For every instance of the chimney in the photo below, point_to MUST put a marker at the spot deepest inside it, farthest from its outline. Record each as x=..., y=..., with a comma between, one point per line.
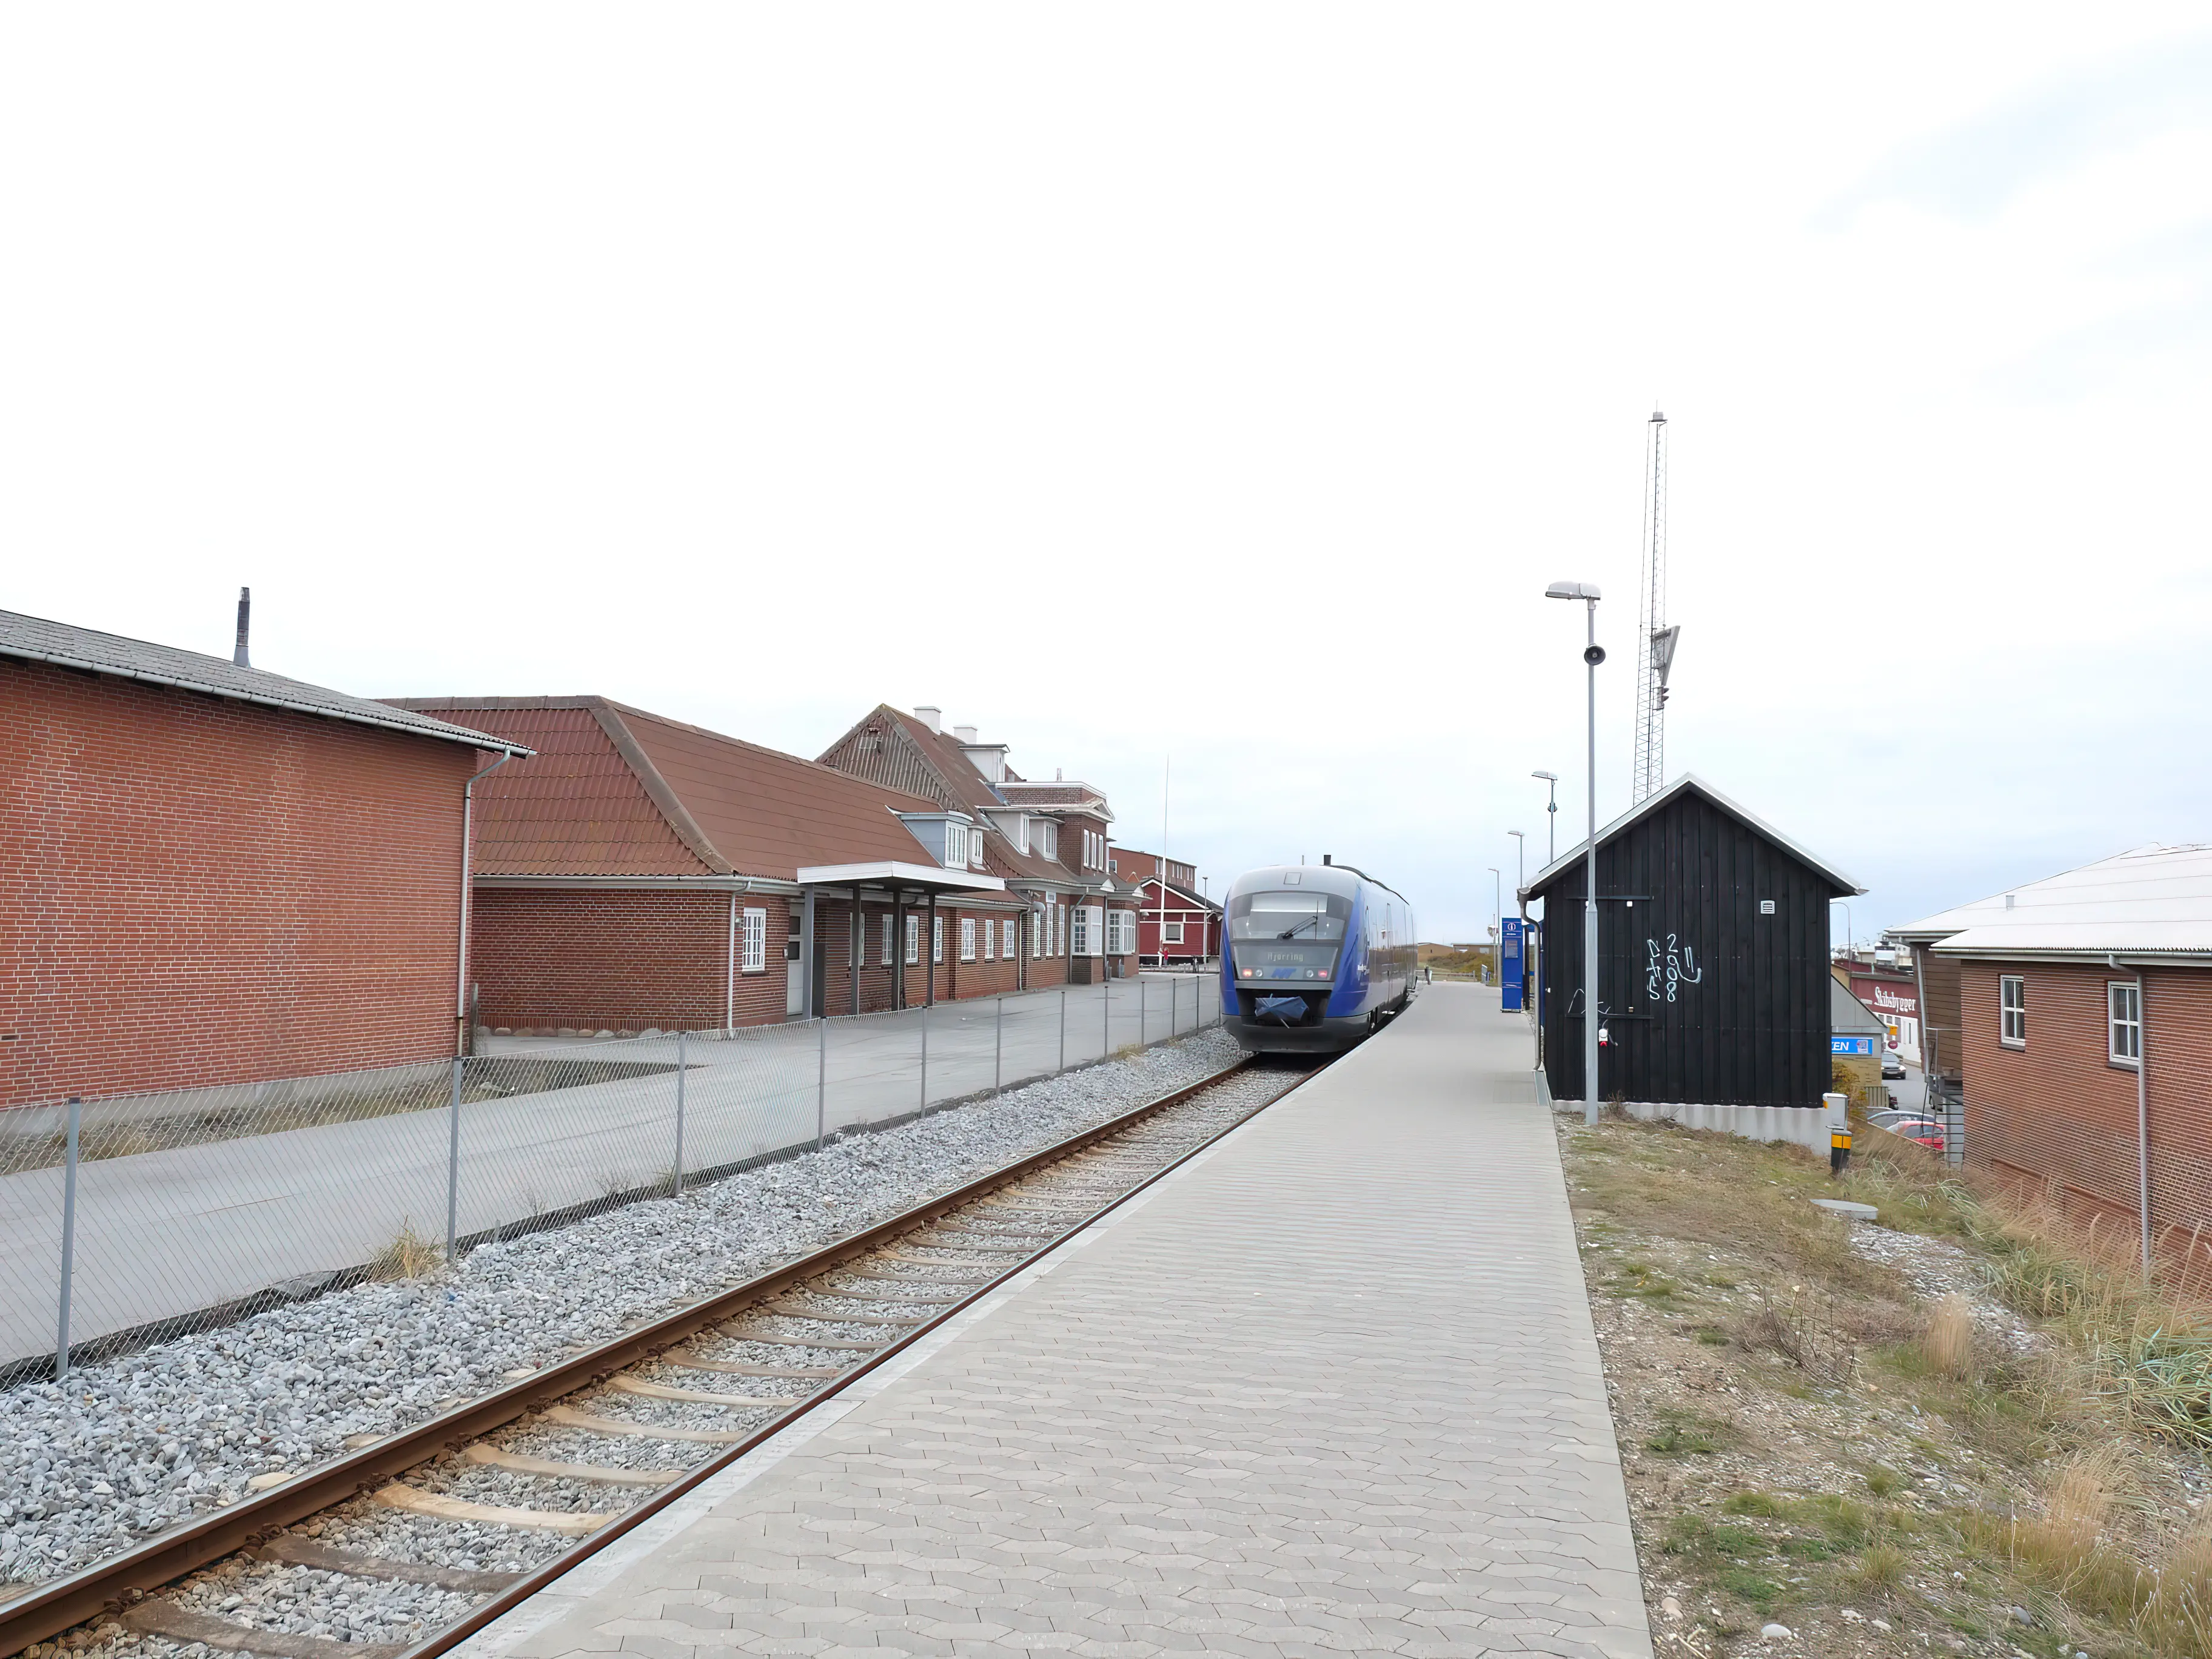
x=964, y=733
x=245, y=618
x=930, y=715
x=1327, y=858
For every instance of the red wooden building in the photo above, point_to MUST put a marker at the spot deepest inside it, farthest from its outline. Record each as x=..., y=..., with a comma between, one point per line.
x=1176, y=922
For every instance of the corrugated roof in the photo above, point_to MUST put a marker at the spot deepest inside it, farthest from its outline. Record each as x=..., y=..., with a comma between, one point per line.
x=617, y=790
x=1651, y=804
x=34, y=639
x=2150, y=901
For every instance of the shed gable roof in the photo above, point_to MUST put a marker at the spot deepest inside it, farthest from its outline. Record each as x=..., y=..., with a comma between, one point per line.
x=1691, y=783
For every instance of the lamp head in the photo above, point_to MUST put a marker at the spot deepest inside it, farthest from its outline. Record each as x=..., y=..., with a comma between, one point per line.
x=1571, y=591
x=1548, y=777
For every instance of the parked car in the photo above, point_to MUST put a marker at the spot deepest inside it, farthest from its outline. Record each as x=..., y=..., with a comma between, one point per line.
x=1892, y=1065
x=1883, y=1119
x=1925, y=1131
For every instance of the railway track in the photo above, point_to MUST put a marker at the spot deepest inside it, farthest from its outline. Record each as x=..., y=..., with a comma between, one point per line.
x=428, y=1534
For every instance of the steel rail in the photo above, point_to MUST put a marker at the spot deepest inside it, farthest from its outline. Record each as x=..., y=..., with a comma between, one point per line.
x=109, y=1586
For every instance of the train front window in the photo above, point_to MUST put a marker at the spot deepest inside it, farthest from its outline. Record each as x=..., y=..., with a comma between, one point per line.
x=1293, y=936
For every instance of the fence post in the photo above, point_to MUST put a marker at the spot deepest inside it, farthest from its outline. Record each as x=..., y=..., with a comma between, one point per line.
x=676, y=1176
x=821, y=1081
x=453, y=1164
x=1144, y=1006
x=69, y=1241
x=925, y=1056
x=998, y=1048
x=1105, y=1016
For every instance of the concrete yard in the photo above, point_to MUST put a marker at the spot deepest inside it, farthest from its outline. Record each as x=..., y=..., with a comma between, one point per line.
x=1330, y=1388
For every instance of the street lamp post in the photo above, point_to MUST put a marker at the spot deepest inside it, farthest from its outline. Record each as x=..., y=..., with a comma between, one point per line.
x=1497, y=920
x=1551, y=778
x=1521, y=858
x=1593, y=655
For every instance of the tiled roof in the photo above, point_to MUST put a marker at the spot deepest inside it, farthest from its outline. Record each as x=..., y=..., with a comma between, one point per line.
x=34, y=639
x=616, y=791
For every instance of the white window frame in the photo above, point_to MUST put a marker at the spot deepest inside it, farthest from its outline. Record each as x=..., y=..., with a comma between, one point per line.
x=754, y=933
x=1078, y=931
x=956, y=845
x=2124, y=1029
x=967, y=939
x=937, y=941
x=913, y=939
x=1170, y=932
x=890, y=929
x=1036, y=931
x=989, y=940
x=1010, y=945
x=975, y=846
x=2012, y=1011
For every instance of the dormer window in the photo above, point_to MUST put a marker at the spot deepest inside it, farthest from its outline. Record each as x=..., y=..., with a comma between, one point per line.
x=975, y=848
x=956, y=845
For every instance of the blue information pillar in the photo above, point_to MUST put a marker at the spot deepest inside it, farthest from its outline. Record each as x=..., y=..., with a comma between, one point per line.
x=1509, y=964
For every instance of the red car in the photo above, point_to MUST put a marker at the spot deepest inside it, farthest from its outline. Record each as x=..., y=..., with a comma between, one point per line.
x=1922, y=1131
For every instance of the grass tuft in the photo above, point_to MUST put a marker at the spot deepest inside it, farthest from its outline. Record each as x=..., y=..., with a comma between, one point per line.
x=408, y=1256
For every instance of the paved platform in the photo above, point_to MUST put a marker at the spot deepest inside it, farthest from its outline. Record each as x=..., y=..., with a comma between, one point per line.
x=1331, y=1387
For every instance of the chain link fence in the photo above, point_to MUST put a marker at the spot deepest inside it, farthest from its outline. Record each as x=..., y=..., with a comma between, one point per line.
x=137, y=1219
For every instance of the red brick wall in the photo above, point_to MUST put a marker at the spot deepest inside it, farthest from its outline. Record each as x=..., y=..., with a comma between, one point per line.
x=594, y=959
x=2059, y=1113
x=197, y=892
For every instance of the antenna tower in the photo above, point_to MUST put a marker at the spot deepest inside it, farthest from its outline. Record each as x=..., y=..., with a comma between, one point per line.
x=1655, y=640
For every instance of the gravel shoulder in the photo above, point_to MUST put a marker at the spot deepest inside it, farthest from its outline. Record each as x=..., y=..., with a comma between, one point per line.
x=128, y=1447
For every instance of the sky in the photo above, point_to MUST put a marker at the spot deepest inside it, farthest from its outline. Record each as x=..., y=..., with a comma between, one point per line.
x=1196, y=397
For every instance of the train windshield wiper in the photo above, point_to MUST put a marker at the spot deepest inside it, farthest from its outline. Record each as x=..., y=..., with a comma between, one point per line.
x=1294, y=932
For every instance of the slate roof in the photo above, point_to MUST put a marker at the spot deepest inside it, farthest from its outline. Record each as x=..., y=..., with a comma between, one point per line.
x=2149, y=901
x=617, y=790
x=34, y=639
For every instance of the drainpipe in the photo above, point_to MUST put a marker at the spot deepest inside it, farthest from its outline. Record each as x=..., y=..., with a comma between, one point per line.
x=2142, y=1105
x=464, y=1039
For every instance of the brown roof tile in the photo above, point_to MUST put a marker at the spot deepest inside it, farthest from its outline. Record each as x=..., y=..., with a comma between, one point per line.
x=616, y=791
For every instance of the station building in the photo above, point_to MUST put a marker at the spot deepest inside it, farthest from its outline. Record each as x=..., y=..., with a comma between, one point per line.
x=1713, y=985
x=1048, y=842
x=2075, y=1015
x=213, y=875
x=639, y=873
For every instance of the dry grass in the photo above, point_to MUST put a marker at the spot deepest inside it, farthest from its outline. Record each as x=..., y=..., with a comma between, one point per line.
x=408, y=1256
x=1947, y=1345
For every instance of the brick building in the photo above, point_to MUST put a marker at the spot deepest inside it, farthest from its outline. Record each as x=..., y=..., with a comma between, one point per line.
x=1176, y=923
x=1048, y=842
x=213, y=875
x=639, y=873
x=2075, y=1014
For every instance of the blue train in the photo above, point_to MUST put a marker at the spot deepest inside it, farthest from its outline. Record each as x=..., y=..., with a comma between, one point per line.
x=1317, y=956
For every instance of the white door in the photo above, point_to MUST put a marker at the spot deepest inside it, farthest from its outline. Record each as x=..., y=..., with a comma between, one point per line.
x=794, y=997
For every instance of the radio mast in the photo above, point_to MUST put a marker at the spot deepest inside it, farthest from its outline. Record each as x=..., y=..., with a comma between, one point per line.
x=1655, y=642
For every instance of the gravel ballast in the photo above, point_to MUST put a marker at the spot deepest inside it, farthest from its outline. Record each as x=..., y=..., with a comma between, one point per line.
x=128, y=1447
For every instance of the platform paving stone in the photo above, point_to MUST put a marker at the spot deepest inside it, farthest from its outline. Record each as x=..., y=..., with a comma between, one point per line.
x=1331, y=1389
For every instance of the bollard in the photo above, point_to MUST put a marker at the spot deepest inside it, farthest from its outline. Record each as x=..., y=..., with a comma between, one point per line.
x=1839, y=1134
x=676, y=1175
x=821, y=1081
x=1105, y=1015
x=998, y=1046
x=69, y=1241
x=925, y=1056
x=1063, y=1029
x=1144, y=1001
x=453, y=1164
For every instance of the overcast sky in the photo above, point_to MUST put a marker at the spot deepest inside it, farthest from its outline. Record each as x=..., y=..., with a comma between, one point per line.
x=1220, y=382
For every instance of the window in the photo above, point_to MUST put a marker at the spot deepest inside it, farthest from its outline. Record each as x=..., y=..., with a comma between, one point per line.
x=2012, y=1011
x=937, y=938
x=2125, y=998
x=1080, y=931
x=755, y=934
x=975, y=848
x=1007, y=939
x=1036, y=931
x=1046, y=838
x=967, y=939
x=955, y=844
x=914, y=938
x=888, y=926
x=990, y=939
x=1171, y=932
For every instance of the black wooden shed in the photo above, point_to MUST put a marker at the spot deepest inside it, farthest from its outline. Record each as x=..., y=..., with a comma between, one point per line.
x=1712, y=957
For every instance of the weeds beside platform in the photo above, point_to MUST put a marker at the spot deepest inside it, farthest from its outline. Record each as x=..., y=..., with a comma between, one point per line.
x=1972, y=1428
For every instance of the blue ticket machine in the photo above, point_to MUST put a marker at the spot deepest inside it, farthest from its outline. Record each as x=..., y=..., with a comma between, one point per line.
x=1510, y=977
